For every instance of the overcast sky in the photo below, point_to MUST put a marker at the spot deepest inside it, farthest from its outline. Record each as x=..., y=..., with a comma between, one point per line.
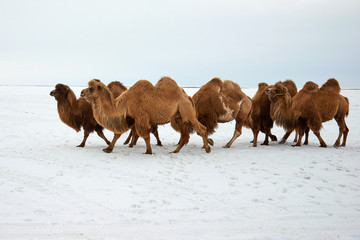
x=44, y=42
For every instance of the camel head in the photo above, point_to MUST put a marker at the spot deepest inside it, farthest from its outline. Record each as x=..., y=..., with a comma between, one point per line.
x=276, y=91
x=60, y=92
x=94, y=91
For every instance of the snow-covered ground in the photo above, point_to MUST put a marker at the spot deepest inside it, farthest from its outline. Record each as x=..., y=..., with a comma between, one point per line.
x=50, y=189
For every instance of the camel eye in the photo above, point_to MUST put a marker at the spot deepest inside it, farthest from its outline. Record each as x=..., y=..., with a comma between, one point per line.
x=91, y=89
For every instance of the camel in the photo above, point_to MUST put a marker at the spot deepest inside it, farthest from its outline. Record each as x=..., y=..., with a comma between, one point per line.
x=261, y=119
x=117, y=88
x=76, y=113
x=310, y=108
x=145, y=105
x=220, y=102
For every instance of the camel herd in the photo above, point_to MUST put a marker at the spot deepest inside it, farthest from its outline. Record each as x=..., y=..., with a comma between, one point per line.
x=144, y=106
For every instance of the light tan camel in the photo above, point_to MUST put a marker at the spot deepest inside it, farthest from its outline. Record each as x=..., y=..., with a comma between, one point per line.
x=144, y=105
x=117, y=88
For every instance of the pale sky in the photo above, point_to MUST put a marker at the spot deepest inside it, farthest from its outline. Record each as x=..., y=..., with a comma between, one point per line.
x=44, y=42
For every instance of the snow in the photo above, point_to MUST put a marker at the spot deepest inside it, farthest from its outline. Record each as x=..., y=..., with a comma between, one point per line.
x=50, y=189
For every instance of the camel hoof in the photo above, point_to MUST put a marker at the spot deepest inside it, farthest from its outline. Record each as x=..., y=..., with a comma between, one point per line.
x=107, y=150
x=210, y=141
x=324, y=146
x=81, y=145
x=208, y=149
x=227, y=146
x=296, y=145
x=273, y=138
x=159, y=144
x=266, y=144
x=282, y=142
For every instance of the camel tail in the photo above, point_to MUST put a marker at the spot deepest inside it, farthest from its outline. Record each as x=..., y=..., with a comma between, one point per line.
x=347, y=111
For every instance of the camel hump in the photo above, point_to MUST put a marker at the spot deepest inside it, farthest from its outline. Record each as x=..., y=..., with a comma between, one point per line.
x=216, y=81
x=116, y=84
x=310, y=87
x=116, y=88
x=261, y=86
x=331, y=85
x=166, y=82
x=291, y=86
x=232, y=90
x=142, y=84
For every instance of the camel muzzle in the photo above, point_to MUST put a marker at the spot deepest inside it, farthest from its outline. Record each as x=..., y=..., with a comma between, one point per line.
x=83, y=94
x=52, y=93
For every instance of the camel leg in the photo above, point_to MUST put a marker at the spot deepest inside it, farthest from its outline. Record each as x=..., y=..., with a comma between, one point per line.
x=86, y=135
x=101, y=134
x=148, y=146
x=346, y=131
x=301, y=134
x=134, y=139
x=237, y=133
x=184, y=137
x=154, y=131
x=187, y=113
x=286, y=135
x=296, y=136
x=307, y=130
x=322, y=143
x=301, y=129
x=128, y=138
x=272, y=137
x=343, y=130
x=266, y=141
x=255, y=133
x=110, y=148
x=201, y=130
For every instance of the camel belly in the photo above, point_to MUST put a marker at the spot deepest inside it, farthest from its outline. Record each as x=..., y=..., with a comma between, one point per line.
x=230, y=112
x=228, y=116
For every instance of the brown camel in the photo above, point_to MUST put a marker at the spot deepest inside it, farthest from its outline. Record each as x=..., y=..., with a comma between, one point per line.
x=222, y=101
x=117, y=88
x=261, y=119
x=76, y=113
x=310, y=108
x=144, y=105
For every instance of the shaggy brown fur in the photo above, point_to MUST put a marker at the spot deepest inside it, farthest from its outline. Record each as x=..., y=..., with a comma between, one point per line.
x=222, y=101
x=261, y=119
x=117, y=88
x=310, y=108
x=76, y=113
x=144, y=105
